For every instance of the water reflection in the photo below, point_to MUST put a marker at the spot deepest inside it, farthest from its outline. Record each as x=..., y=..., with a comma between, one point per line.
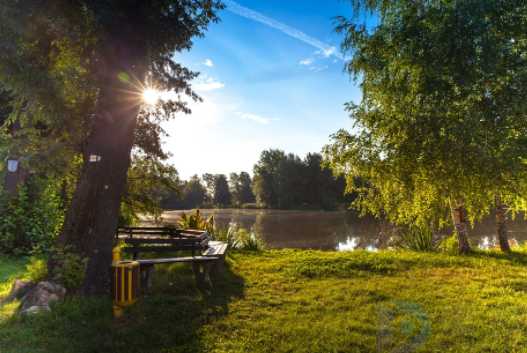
x=341, y=231
x=492, y=242
x=350, y=244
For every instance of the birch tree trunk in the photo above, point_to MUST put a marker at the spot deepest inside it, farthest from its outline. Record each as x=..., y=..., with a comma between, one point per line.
x=458, y=217
x=500, y=220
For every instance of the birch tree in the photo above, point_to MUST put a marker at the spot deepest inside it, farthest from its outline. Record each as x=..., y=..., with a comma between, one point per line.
x=441, y=124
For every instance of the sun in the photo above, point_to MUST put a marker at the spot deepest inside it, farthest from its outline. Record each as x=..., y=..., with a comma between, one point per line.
x=150, y=96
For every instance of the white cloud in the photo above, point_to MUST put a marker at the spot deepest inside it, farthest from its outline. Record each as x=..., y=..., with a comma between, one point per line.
x=208, y=63
x=256, y=118
x=327, y=50
x=330, y=51
x=306, y=62
x=318, y=68
x=204, y=84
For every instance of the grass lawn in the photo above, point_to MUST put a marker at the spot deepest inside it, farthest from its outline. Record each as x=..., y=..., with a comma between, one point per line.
x=295, y=301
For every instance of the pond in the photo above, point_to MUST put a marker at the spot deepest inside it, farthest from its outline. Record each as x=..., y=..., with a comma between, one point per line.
x=339, y=230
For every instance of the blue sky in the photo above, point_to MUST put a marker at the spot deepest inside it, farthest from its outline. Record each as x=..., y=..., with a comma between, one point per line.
x=271, y=77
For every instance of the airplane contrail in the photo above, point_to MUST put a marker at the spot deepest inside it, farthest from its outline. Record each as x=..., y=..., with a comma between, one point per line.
x=326, y=49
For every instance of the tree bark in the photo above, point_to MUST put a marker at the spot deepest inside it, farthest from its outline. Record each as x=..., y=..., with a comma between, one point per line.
x=502, y=231
x=458, y=217
x=13, y=179
x=92, y=215
x=21, y=175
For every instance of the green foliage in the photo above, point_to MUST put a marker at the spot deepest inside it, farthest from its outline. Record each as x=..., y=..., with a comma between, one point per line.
x=249, y=240
x=241, y=189
x=416, y=239
x=239, y=238
x=194, y=193
x=222, y=195
x=228, y=236
x=284, y=181
x=70, y=267
x=55, y=86
x=37, y=267
x=196, y=221
x=63, y=62
x=33, y=219
x=450, y=245
x=443, y=107
x=145, y=175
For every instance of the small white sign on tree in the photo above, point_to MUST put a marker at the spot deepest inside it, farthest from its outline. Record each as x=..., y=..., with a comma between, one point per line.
x=12, y=165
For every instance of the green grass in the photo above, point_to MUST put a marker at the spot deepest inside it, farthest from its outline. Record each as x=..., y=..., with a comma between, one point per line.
x=294, y=301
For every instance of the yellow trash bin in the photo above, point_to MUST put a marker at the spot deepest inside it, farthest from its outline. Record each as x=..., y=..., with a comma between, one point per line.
x=124, y=282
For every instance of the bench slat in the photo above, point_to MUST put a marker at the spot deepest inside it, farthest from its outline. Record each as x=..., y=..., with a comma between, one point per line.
x=131, y=231
x=174, y=260
x=120, y=228
x=155, y=240
x=162, y=248
x=216, y=250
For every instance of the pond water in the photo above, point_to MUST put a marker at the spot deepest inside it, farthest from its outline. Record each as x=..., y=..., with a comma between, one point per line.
x=339, y=230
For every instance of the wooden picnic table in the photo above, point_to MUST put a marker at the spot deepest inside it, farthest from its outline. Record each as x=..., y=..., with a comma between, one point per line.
x=164, y=239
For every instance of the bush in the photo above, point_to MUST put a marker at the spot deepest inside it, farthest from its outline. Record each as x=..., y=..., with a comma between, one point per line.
x=33, y=219
x=416, y=239
x=239, y=238
x=195, y=221
x=70, y=267
x=37, y=267
x=450, y=244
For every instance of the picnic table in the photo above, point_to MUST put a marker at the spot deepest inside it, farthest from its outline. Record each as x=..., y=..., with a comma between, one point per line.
x=204, y=251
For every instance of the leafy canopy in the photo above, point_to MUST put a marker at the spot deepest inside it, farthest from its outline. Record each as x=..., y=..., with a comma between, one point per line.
x=443, y=106
x=54, y=62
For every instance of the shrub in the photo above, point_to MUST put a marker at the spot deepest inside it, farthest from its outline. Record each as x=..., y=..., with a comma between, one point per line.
x=69, y=269
x=239, y=238
x=195, y=221
x=228, y=236
x=37, y=267
x=416, y=239
x=450, y=244
x=32, y=219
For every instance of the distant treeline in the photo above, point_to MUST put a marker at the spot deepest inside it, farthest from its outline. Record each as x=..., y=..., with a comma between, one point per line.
x=281, y=181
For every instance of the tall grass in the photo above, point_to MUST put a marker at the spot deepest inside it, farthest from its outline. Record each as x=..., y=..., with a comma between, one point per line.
x=416, y=239
x=239, y=238
x=196, y=221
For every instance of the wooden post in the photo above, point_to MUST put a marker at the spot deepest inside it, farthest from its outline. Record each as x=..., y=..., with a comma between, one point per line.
x=202, y=276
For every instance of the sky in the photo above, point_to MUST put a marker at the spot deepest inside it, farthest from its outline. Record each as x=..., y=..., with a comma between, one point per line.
x=271, y=76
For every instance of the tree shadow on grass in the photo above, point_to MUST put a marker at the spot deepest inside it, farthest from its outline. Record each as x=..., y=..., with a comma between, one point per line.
x=171, y=319
x=515, y=257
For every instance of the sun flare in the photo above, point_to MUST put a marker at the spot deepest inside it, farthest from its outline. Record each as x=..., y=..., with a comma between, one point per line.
x=150, y=96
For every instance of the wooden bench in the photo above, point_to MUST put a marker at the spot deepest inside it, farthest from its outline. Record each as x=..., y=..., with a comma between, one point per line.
x=161, y=239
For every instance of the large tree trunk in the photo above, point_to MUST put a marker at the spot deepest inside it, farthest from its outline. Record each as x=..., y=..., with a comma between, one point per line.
x=92, y=216
x=21, y=175
x=458, y=217
x=93, y=212
x=502, y=231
